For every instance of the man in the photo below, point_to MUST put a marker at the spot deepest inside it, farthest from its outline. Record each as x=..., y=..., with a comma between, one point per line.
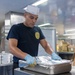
x=24, y=38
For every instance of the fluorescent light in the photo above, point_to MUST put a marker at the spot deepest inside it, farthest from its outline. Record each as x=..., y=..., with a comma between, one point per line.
x=69, y=34
x=45, y=24
x=72, y=37
x=70, y=30
x=68, y=37
x=39, y=2
x=56, y=32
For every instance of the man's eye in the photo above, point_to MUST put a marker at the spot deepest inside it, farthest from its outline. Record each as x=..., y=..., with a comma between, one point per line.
x=36, y=18
x=31, y=17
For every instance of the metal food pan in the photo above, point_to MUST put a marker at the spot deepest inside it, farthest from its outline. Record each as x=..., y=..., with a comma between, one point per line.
x=52, y=69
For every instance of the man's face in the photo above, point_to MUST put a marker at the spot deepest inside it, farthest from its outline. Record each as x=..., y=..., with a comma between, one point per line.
x=30, y=19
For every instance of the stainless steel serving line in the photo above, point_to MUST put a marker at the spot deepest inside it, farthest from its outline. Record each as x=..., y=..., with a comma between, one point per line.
x=18, y=71
x=6, y=69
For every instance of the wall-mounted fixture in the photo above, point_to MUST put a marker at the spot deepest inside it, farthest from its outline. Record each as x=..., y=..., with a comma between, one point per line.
x=37, y=3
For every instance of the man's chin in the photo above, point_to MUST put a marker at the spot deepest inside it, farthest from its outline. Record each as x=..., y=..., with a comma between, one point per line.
x=32, y=26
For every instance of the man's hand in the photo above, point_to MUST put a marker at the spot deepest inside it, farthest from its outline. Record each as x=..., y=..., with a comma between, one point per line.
x=54, y=56
x=30, y=60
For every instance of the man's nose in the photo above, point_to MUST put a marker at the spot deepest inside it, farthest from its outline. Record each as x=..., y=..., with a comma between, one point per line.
x=34, y=20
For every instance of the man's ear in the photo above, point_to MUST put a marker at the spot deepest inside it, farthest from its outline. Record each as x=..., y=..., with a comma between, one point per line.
x=24, y=14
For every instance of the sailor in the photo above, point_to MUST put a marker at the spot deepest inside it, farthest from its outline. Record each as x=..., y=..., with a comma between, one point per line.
x=24, y=39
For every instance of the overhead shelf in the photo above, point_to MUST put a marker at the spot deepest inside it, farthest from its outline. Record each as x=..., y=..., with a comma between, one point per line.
x=66, y=55
x=65, y=52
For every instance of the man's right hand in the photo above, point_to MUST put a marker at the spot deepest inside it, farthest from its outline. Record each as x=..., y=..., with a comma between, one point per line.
x=30, y=60
x=55, y=56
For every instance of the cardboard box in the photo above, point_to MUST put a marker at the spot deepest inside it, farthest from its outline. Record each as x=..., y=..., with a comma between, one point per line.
x=64, y=48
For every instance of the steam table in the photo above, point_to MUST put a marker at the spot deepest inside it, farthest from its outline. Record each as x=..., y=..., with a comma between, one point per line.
x=17, y=71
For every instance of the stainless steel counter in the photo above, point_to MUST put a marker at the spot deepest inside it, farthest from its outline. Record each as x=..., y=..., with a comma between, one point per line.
x=17, y=71
x=6, y=69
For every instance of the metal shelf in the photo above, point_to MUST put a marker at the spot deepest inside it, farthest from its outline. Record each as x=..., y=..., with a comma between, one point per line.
x=65, y=52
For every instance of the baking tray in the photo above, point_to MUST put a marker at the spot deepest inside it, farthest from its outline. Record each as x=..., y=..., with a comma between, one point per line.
x=55, y=68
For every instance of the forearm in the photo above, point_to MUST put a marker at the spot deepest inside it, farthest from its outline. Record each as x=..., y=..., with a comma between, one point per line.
x=48, y=49
x=17, y=52
x=46, y=46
